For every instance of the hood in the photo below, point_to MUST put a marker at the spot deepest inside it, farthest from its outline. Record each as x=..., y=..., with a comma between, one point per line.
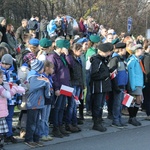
x=32, y=73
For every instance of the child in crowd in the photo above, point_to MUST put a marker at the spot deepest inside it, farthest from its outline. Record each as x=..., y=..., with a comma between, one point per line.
x=44, y=125
x=10, y=75
x=100, y=83
x=62, y=60
x=22, y=74
x=136, y=82
x=4, y=95
x=118, y=66
x=38, y=90
x=77, y=84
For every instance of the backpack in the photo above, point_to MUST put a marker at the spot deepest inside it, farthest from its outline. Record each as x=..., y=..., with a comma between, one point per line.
x=19, y=57
x=33, y=25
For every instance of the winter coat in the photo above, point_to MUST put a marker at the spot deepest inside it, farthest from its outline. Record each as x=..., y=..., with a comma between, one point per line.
x=100, y=76
x=43, y=25
x=39, y=88
x=21, y=31
x=3, y=30
x=82, y=27
x=10, y=75
x=135, y=72
x=51, y=27
x=61, y=75
x=12, y=42
x=70, y=28
x=76, y=73
x=7, y=94
x=118, y=64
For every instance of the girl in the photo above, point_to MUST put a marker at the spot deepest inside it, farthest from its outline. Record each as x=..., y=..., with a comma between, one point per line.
x=136, y=82
x=4, y=94
x=77, y=84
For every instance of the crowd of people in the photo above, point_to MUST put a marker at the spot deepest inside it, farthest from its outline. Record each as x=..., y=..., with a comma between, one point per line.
x=100, y=65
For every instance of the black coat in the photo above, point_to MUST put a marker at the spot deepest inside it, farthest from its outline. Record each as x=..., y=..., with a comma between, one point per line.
x=100, y=76
x=3, y=30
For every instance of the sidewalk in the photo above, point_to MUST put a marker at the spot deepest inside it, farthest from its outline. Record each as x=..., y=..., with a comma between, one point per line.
x=86, y=131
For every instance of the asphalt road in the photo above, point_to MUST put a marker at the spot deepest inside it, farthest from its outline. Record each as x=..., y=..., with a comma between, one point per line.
x=133, y=139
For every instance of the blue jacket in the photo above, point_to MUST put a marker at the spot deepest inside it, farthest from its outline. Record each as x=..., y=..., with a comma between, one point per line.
x=39, y=88
x=10, y=75
x=51, y=27
x=135, y=73
x=118, y=63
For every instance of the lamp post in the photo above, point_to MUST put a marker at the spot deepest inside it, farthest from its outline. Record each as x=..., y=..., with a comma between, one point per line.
x=148, y=2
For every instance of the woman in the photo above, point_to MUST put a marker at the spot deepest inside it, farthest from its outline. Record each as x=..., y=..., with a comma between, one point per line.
x=11, y=40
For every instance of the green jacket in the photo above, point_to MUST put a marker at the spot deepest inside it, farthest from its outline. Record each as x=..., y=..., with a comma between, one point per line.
x=90, y=52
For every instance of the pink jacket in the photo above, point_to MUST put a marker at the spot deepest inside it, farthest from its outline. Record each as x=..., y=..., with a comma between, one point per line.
x=4, y=94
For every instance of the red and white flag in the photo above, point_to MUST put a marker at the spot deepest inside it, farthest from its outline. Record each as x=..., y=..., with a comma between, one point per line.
x=113, y=74
x=77, y=100
x=127, y=99
x=66, y=90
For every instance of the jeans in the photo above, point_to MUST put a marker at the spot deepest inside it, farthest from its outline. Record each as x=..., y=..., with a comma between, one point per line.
x=58, y=111
x=32, y=127
x=71, y=112
x=88, y=92
x=117, y=106
x=44, y=125
x=98, y=100
x=9, y=120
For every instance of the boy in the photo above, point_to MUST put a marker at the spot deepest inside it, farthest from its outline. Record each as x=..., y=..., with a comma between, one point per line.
x=38, y=90
x=100, y=83
x=118, y=66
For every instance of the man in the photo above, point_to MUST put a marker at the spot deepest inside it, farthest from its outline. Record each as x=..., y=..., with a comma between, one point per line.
x=22, y=31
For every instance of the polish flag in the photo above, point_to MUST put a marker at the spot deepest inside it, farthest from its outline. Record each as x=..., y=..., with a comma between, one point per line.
x=77, y=100
x=66, y=90
x=127, y=100
x=113, y=74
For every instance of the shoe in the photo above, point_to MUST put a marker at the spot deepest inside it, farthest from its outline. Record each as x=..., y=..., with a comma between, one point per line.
x=79, y=129
x=31, y=144
x=110, y=117
x=98, y=125
x=63, y=131
x=79, y=121
x=89, y=113
x=44, y=138
x=147, y=118
x=117, y=125
x=134, y=122
x=10, y=139
x=71, y=128
x=39, y=143
x=49, y=138
x=56, y=132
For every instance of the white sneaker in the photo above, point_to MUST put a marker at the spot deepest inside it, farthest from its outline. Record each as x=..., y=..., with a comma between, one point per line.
x=49, y=138
x=44, y=138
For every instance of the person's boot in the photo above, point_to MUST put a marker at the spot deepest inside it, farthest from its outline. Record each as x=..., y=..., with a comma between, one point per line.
x=98, y=125
x=71, y=128
x=81, y=107
x=56, y=132
x=63, y=131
